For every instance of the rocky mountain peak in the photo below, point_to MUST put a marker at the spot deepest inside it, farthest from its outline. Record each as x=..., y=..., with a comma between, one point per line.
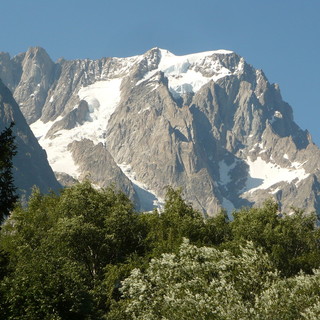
x=209, y=122
x=38, y=72
x=37, y=54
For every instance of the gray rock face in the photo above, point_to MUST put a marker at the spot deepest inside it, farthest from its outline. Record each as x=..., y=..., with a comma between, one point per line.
x=96, y=164
x=208, y=122
x=75, y=117
x=11, y=69
x=30, y=164
x=65, y=179
x=38, y=72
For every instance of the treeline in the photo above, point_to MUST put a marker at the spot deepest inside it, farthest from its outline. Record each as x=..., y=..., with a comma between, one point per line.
x=87, y=254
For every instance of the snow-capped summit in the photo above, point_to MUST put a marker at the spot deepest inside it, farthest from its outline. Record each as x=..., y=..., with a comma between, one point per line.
x=188, y=73
x=208, y=122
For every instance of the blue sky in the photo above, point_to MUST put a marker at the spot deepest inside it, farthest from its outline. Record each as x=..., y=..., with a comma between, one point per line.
x=281, y=37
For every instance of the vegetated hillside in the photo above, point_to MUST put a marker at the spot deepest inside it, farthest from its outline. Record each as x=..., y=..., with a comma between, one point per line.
x=86, y=254
x=208, y=122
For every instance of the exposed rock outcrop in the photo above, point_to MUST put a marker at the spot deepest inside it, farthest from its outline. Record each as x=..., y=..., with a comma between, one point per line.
x=208, y=122
x=31, y=166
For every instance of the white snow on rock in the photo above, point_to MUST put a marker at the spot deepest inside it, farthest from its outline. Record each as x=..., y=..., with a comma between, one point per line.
x=102, y=97
x=278, y=114
x=148, y=198
x=40, y=128
x=59, y=157
x=263, y=175
x=183, y=72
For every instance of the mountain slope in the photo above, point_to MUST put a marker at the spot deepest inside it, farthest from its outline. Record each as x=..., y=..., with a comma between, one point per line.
x=30, y=164
x=208, y=122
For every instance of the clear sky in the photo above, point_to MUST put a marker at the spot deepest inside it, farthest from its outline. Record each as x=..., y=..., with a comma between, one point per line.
x=281, y=37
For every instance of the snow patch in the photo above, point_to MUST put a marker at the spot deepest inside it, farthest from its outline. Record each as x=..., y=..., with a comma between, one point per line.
x=102, y=93
x=275, y=190
x=298, y=165
x=240, y=67
x=143, y=110
x=40, y=129
x=148, y=198
x=263, y=175
x=254, y=147
x=278, y=114
x=102, y=97
x=60, y=159
x=183, y=71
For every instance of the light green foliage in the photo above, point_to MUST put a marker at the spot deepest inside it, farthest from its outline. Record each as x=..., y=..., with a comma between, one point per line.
x=198, y=283
x=205, y=283
x=292, y=298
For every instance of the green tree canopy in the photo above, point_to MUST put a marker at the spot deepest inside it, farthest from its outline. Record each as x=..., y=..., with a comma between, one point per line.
x=86, y=254
x=207, y=283
x=291, y=240
x=59, y=246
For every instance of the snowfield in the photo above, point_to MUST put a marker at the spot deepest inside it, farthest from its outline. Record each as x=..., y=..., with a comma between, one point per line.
x=263, y=175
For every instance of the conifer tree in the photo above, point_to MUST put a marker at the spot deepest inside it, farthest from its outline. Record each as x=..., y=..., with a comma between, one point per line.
x=8, y=196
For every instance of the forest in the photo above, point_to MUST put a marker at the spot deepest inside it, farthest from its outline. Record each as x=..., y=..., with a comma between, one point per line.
x=87, y=254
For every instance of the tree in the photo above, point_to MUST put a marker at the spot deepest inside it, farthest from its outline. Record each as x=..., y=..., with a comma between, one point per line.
x=8, y=195
x=58, y=249
x=291, y=240
x=207, y=283
x=177, y=220
x=197, y=283
x=86, y=254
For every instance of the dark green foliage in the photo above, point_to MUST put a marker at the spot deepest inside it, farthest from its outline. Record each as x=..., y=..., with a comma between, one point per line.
x=217, y=230
x=179, y=220
x=65, y=256
x=8, y=195
x=58, y=249
x=291, y=240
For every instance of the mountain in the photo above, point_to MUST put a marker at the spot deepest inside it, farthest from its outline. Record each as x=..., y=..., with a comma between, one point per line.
x=31, y=166
x=208, y=122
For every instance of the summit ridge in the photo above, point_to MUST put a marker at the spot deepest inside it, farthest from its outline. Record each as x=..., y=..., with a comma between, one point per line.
x=208, y=122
